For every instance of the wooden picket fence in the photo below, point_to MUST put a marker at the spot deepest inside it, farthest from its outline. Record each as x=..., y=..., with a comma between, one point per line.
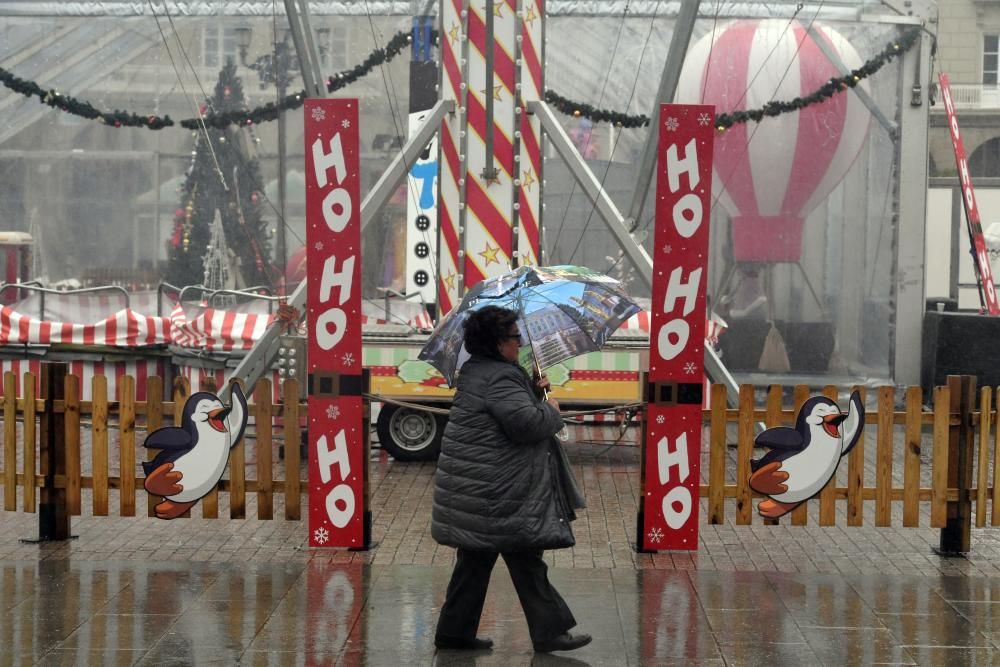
x=955, y=421
x=103, y=412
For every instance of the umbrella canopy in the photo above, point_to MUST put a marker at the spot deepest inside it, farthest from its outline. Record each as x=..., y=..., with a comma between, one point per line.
x=564, y=311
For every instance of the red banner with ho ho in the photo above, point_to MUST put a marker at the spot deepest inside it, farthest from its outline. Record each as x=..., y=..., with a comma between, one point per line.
x=333, y=256
x=669, y=513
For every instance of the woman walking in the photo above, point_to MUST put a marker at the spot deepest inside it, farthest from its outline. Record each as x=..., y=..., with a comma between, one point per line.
x=503, y=487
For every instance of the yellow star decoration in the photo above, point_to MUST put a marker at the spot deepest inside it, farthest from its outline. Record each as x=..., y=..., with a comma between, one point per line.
x=449, y=280
x=496, y=92
x=497, y=6
x=454, y=32
x=493, y=181
x=490, y=254
x=526, y=259
x=528, y=179
x=530, y=16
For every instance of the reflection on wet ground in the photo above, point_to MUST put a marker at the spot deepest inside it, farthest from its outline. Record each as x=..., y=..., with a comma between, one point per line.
x=58, y=612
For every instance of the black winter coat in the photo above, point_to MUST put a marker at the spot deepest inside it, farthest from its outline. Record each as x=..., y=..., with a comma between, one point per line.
x=497, y=487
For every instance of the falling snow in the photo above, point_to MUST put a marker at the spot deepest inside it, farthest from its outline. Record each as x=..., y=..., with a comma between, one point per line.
x=704, y=119
x=321, y=535
x=690, y=368
x=332, y=412
x=318, y=114
x=671, y=124
x=655, y=535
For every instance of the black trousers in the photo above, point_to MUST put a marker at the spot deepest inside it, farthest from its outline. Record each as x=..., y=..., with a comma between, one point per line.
x=545, y=610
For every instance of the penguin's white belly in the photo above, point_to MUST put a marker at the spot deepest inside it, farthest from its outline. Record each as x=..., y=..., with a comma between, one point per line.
x=202, y=467
x=808, y=472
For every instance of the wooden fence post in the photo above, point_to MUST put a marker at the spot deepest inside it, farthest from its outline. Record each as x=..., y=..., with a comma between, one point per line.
x=366, y=493
x=293, y=454
x=53, y=507
x=640, y=514
x=957, y=532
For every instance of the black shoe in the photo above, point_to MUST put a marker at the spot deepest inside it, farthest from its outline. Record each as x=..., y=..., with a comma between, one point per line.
x=564, y=642
x=474, y=644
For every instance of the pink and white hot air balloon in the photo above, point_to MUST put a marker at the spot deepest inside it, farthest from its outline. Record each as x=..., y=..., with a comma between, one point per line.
x=770, y=176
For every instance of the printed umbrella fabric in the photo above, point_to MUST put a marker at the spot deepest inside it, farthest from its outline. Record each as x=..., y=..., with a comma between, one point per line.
x=565, y=311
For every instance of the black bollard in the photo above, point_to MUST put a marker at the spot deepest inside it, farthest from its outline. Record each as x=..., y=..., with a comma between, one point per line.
x=53, y=507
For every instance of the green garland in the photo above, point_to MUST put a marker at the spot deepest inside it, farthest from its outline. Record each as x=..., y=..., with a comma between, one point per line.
x=724, y=121
x=393, y=48
x=261, y=114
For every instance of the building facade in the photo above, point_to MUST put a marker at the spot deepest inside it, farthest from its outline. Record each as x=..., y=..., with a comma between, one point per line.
x=968, y=51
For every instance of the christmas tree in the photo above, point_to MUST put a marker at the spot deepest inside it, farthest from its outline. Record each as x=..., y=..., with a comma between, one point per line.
x=229, y=183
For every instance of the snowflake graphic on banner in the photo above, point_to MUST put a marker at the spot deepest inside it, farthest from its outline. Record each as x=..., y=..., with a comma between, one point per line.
x=318, y=114
x=318, y=245
x=345, y=123
x=348, y=359
x=690, y=368
x=332, y=412
x=671, y=124
x=667, y=249
x=321, y=535
x=704, y=119
x=655, y=535
x=660, y=419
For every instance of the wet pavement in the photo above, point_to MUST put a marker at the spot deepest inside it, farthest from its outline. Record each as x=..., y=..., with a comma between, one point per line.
x=250, y=592
x=323, y=613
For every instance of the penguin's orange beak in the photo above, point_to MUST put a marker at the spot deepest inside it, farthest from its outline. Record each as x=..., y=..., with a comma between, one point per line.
x=831, y=424
x=216, y=419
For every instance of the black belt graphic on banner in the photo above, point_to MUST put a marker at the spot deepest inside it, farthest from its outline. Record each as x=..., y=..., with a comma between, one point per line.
x=329, y=384
x=676, y=393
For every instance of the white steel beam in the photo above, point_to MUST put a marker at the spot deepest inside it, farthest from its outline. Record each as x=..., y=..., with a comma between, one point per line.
x=605, y=208
x=298, y=20
x=402, y=162
x=664, y=95
x=911, y=214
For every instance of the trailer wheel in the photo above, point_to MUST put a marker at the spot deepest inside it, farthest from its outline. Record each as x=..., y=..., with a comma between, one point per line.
x=409, y=434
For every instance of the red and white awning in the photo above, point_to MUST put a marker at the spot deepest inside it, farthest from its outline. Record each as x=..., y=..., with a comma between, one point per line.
x=217, y=330
x=200, y=327
x=126, y=328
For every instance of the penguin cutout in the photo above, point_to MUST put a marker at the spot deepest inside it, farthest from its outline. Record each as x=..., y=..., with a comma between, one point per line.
x=803, y=459
x=194, y=454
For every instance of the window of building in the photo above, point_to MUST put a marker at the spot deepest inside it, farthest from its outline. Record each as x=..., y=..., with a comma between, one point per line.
x=218, y=45
x=991, y=49
x=332, y=47
x=985, y=160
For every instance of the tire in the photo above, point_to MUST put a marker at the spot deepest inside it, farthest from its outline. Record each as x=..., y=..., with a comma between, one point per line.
x=408, y=434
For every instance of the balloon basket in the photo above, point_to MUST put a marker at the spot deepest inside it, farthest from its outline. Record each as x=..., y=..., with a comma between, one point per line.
x=809, y=345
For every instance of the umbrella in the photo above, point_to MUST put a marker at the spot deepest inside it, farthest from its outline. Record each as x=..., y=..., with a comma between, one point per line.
x=565, y=311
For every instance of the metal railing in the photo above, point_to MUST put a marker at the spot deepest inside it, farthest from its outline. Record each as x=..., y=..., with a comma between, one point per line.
x=258, y=293
x=181, y=294
x=975, y=96
x=35, y=286
x=209, y=296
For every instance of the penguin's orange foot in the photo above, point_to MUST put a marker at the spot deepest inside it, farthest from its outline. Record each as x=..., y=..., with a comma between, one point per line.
x=171, y=510
x=164, y=481
x=772, y=509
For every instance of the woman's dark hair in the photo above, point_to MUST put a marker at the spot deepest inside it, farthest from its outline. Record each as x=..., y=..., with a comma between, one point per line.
x=486, y=327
